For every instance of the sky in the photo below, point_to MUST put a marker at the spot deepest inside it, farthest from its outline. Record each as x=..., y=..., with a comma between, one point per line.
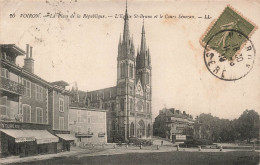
x=84, y=50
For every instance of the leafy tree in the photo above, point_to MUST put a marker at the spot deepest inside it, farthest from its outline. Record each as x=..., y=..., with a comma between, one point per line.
x=247, y=125
x=213, y=128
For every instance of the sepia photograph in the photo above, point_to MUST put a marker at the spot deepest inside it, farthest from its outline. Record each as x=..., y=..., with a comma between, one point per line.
x=129, y=82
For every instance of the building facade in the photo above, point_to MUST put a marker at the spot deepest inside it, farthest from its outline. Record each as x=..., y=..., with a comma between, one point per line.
x=25, y=126
x=129, y=103
x=88, y=125
x=174, y=125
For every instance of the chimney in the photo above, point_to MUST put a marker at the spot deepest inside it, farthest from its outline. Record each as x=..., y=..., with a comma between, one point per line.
x=27, y=50
x=30, y=52
x=28, y=61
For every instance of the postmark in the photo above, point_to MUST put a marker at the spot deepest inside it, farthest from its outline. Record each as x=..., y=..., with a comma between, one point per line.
x=230, y=69
x=226, y=38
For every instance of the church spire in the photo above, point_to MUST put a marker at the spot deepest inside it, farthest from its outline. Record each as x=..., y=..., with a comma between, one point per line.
x=143, y=40
x=144, y=54
x=126, y=35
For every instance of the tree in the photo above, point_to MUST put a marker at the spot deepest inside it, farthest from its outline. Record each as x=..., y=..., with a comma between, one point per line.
x=213, y=128
x=247, y=125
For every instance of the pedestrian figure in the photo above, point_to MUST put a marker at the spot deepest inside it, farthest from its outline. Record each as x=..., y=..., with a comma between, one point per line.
x=126, y=146
x=178, y=148
x=199, y=148
x=158, y=147
x=220, y=148
x=161, y=142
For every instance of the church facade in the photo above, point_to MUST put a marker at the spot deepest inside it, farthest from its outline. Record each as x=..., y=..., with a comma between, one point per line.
x=129, y=103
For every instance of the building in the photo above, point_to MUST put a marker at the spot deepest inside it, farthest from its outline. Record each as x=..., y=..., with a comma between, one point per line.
x=25, y=127
x=88, y=125
x=59, y=114
x=174, y=125
x=129, y=102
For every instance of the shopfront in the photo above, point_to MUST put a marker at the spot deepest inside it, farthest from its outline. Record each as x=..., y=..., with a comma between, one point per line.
x=65, y=141
x=27, y=142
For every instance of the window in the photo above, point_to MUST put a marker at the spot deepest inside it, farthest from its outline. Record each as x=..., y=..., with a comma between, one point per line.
x=89, y=130
x=122, y=90
x=4, y=73
x=110, y=94
x=39, y=92
x=131, y=90
x=3, y=106
x=112, y=106
x=121, y=70
x=131, y=71
x=91, y=97
x=78, y=129
x=61, y=105
x=122, y=104
x=61, y=123
x=131, y=104
x=26, y=113
x=79, y=115
x=89, y=120
x=148, y=108
x=148, y=79
x=39, y=115
x=97, y=96
x=27, y=85
x=103, y=95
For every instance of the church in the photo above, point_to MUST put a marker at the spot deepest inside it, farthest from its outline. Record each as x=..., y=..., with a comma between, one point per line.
x=129, y=103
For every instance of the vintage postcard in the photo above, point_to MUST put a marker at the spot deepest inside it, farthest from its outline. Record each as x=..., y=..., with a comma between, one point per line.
x=129, y=82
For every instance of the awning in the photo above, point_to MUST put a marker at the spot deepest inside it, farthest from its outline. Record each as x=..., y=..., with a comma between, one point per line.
x=41, y=136
x=19, y=135
x=67, y=137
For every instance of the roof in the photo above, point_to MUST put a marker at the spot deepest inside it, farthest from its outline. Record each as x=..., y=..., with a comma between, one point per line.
x=18, y=51
x=60, y=83
x=87, y=108
x=101, y=90
x=175, y=113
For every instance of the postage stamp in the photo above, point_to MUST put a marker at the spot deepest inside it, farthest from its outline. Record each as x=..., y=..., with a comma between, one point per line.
x=225, y=40
x=225, y=69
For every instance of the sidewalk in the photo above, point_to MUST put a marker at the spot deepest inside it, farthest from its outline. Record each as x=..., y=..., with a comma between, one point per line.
x=74, y=151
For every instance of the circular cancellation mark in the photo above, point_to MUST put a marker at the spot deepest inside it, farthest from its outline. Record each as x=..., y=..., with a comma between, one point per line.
x=224, y=57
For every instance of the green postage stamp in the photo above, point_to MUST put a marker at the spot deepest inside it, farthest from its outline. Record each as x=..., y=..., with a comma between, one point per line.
x=228, y=43
x=228, y=51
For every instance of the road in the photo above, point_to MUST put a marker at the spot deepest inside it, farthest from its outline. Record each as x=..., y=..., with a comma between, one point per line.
x=169, y=157
x=167, y=154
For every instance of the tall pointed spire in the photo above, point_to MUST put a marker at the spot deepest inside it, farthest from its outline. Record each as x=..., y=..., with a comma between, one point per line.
x=126, y=35
x=143, y=40
x=126, y=45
